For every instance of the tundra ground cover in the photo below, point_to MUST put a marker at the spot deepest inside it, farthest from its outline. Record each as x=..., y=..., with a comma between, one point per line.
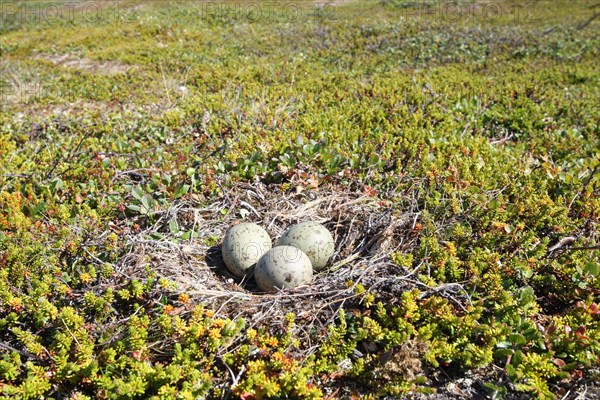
x=452, y=148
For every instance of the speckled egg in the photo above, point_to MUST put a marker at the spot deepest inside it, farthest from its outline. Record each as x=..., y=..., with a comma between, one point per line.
x=313, y=239
x=283, y=267
x=242, y=246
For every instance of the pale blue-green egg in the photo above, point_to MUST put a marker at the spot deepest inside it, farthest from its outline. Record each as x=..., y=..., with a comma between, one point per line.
x=283, y=267
x=242, y=246
x=313, y=239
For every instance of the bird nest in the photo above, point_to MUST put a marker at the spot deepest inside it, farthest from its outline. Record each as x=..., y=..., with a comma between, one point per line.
x=367, y=230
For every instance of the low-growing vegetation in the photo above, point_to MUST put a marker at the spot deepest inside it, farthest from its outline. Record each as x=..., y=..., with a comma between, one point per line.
x=452, y=149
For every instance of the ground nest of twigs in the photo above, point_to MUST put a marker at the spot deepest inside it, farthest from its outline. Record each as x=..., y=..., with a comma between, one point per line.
x=366, y=230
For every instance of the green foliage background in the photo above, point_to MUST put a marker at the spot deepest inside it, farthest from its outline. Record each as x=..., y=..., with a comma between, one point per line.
x=487, y=116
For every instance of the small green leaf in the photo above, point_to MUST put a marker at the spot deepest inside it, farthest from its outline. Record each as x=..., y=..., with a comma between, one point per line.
x=495, y=390
x=189, y=235
x=181, y=190
x=173, y=226
x=517, y=339
x=56, y=185
x=137, y=193
x=505, y=344
x=134, y=208
x=503, y=353
x=147, y=201
x=592, y=269
x=510, y=370
x=374, y=159
x=527, y=273
x=527, y=295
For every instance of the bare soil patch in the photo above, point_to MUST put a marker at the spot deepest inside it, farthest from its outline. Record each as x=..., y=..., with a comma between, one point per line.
x=74, y=61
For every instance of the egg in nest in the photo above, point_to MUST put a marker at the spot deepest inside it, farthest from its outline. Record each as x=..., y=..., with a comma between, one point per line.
x=283, y=267
x=242, y=246
x=313, y=239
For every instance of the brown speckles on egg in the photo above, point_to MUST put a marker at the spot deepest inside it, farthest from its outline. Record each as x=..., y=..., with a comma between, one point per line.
x=313, y=239
x=283, y=267
x=242, y=246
